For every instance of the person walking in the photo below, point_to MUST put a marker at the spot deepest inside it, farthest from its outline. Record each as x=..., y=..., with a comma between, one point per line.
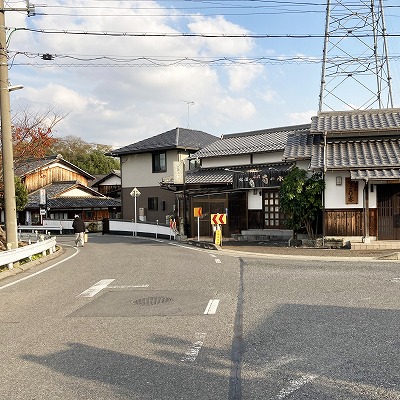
x=79, y=229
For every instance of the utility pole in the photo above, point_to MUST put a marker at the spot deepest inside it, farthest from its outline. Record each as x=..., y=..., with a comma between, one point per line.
x=10, y=213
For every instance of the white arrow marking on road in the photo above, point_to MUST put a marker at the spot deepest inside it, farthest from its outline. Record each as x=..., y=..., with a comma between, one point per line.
x=296, y=385
x=96, y=288
x=218, y=261
x=211, y=307
x=193, y=352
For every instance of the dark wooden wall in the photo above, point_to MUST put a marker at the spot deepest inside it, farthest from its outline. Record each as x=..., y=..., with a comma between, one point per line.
x=349, y=222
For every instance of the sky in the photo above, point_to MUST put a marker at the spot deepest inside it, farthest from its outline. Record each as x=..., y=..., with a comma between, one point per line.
x=122, y=71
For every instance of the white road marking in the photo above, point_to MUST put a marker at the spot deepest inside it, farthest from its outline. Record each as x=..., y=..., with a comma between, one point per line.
x=213, y=255
x=218, y=261
x=296, y=384
x=211, y=307
x=128, y=286
x=37, y=273
x=96, y=288
x=193, y=352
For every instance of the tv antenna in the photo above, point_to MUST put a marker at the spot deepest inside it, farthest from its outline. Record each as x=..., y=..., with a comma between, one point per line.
x=188, y=103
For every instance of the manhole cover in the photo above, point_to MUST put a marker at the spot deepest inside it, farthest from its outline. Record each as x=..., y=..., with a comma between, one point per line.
x=152, y=301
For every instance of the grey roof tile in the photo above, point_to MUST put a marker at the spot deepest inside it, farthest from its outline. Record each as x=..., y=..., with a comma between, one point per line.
x=261, y=141
x=178, y=138
x=344, y=154
x=371, y=153
x=356, y=121
x=375, y=174
x=55, y=190
x=302, y=145
x=211, y=175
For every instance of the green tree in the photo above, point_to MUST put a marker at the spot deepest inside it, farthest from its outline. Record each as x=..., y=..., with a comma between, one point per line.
x=301, y=200
x=21, y=194
x=88, y=156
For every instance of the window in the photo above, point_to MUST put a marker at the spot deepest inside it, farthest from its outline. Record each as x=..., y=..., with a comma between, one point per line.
x=273, y=217
x=152, y=203
x=159, y=162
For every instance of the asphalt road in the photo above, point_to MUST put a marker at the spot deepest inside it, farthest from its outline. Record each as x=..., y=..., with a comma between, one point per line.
x=132, y=318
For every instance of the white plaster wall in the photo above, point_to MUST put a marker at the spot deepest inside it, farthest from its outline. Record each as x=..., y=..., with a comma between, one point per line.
x=136, y=169
x=254, y=201
x=263, y=158
x=112, y=180
x=335, y=196
x=225, y=161
x=76, y=193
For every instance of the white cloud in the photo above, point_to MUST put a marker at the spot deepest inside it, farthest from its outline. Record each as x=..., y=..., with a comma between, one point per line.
x=225, y=46
x=241, y=77
x=302, y=117
x=118, y=105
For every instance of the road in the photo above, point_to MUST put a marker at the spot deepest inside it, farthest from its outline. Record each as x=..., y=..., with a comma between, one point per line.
x=136, y=318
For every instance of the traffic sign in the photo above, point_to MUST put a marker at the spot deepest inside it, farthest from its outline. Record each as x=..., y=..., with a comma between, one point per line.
x=135, y=192
x=198, y=212
x=218, y=219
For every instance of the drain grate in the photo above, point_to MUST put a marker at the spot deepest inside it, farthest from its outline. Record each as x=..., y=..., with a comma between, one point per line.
x=152, y=301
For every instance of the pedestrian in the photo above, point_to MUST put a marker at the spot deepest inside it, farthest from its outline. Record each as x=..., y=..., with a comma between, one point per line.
x=79, y=230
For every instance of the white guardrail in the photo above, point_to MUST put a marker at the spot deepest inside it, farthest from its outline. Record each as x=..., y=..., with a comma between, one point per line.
x=142, y=228
x=9, y=257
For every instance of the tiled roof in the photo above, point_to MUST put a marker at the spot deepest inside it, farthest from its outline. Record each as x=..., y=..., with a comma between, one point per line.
x=82, y=202
x=210, y=175
x=371, y=153
x=356, y=121
x=28, y=166
x=365, y=153
x=302, y=146
x=261, y=141
x=178, y=138
x=375, y=174
x=55, y=190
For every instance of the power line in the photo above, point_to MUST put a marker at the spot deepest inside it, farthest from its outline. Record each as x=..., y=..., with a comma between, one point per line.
x=193, y=34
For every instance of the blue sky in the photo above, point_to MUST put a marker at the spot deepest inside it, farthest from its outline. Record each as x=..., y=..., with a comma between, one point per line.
x=109, y=98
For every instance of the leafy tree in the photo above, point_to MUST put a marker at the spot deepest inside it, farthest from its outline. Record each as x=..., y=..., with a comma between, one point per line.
x=88, y=156
x=32, y=134
x=21, y=194
x=301, y=200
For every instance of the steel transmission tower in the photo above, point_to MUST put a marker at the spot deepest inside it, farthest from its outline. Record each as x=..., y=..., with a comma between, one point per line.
x=355, y=68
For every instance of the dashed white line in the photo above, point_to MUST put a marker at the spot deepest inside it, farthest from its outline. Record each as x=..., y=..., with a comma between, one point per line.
x=211, y=307
x=193, y=352
x=128, y=286
x=96, y=288
x=218, y=261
